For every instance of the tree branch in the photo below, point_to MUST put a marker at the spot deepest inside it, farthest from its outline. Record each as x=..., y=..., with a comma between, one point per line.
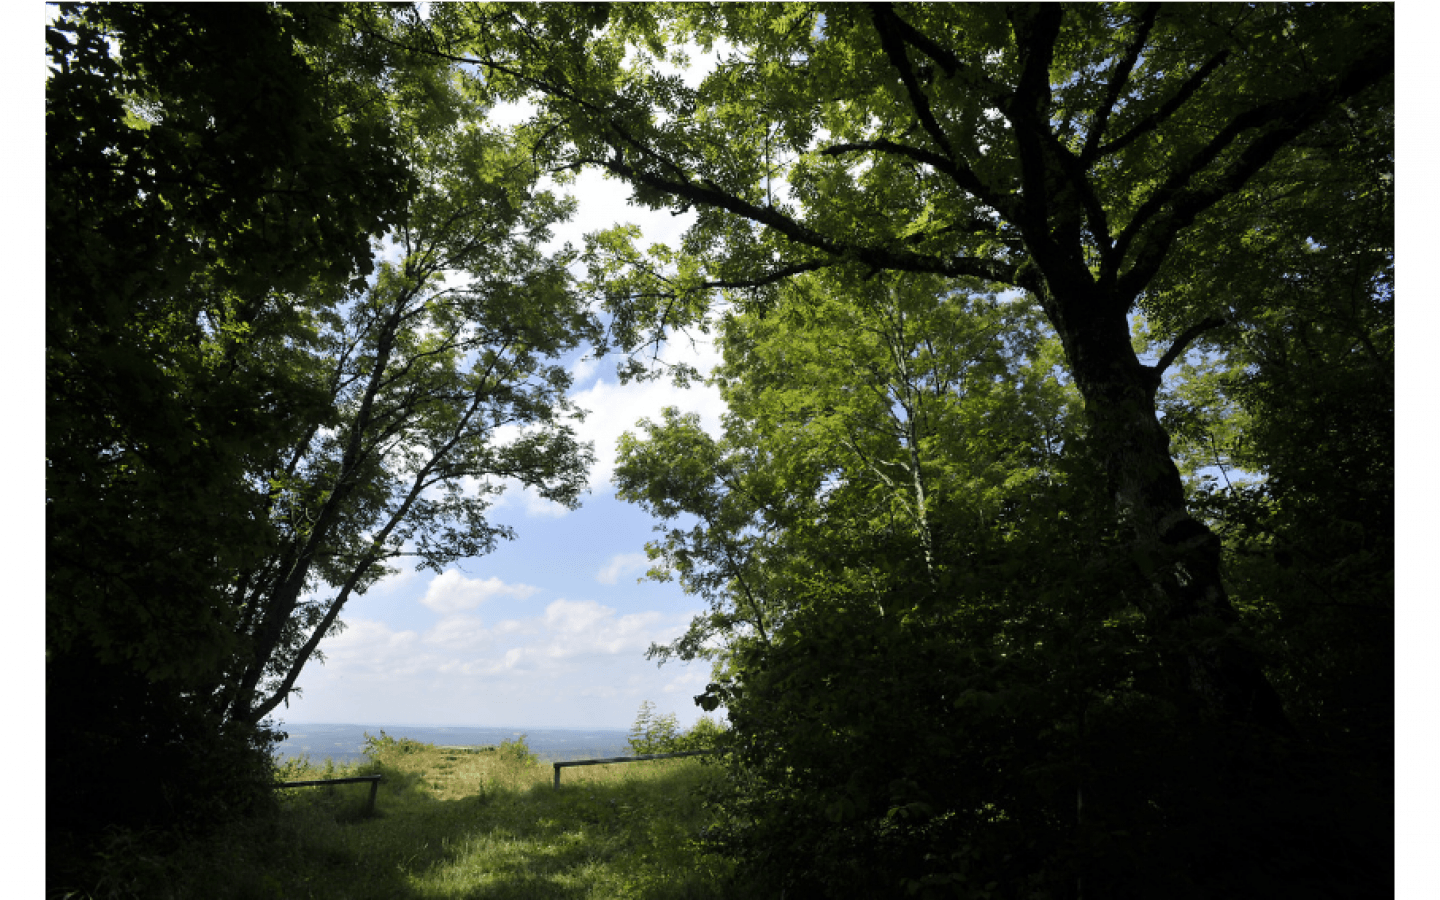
x=885, y=19
x=876, y=257
x=1287, y=118
x=963, y=175
x=1183, y=342
x=1155, y=119
x=1118, y=78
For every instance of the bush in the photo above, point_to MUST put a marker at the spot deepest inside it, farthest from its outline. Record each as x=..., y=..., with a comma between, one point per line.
x=517, y=752
x=653, y=733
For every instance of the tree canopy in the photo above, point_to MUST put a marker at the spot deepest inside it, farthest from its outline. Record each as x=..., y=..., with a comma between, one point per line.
x=1188, y=170
x=1048, y=545
x=299, y=324
x=1075, y=153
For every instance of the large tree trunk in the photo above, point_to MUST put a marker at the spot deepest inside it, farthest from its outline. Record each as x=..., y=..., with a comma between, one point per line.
x=1179, y=555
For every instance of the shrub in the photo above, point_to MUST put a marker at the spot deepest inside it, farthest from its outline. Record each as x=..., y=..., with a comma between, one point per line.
x=653, y=733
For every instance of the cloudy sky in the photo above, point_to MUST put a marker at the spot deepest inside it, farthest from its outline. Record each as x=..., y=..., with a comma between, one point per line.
x=551, y=629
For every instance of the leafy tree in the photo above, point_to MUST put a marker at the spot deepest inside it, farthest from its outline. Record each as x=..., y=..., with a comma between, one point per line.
x=654, y=733
x=858, y=408
x=204, y=165
x=242, y=409
x=1078, y=153
x=1301, y=478
x=425, y=379
x=1109, y=161
x=893, y=604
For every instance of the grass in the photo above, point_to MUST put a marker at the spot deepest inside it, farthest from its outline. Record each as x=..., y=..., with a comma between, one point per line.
x=451, y=823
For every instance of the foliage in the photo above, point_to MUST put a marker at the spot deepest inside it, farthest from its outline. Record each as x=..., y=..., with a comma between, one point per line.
x=1191, y=164
x=198, y=163
x=438, y=390
x=653, y=733
x=1005, y=294
x=1086, y=155
x=383, y=744
x=247, y=417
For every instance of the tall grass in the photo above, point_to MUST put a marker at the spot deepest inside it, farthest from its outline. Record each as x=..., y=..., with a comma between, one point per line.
x=450, y=823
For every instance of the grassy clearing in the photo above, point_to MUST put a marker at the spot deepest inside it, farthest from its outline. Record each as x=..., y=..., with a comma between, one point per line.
x=451, y=823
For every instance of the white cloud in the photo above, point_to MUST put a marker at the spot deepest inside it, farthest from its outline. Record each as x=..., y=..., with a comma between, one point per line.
x=614, y=409
x=576, y=664
x=568, y=637
x=451, y=592
x=689, y=682
x=583, y=368
x=622, y=564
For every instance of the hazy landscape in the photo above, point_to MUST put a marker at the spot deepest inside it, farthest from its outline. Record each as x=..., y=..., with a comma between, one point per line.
x=346, y=743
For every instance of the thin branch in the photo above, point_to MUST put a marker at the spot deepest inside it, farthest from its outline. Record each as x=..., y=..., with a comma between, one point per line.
x=1157, y=118
x=1118, y=78
x=1287, y=119
x=1184, y=340
x=963, y=176
x=885, y=20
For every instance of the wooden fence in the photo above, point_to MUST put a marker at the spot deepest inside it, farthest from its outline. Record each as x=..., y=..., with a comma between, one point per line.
x=369, y=803
x=621, y=759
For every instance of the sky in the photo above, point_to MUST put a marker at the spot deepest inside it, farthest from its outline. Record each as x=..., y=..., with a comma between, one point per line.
x=551, y=629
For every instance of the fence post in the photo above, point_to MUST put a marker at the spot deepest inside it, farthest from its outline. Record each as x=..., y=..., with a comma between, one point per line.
x=369, y=802
x=621, y=759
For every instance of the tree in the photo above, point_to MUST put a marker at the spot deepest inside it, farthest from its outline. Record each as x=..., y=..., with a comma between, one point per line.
x=1077, y=153
x=1108, y=161
x=242, y=409
x=437, y=391
x=858, y=406
x=894, y=602
x=203, y=167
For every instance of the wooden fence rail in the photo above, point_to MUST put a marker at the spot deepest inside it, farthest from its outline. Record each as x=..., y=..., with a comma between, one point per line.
x=369, y=803
x=621, y=759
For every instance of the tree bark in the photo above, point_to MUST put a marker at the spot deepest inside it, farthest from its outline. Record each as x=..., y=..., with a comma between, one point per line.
x=1179, y=555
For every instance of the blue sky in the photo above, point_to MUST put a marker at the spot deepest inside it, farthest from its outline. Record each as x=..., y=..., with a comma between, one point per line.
x=551, y=629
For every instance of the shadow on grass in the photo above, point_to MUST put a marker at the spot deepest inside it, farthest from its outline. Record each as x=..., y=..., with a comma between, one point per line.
x=618, y=831
x=595, y=837
x=605, y=836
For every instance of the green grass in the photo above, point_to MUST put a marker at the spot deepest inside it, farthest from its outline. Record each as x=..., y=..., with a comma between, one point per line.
x=451, y=824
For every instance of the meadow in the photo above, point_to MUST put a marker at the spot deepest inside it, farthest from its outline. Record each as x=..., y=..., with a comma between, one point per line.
x=449, y=823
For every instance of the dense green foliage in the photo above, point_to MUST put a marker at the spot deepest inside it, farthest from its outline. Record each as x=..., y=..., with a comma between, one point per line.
x=1095, y=594
x=211, y=162
x=1048, y=545
x=246, y=415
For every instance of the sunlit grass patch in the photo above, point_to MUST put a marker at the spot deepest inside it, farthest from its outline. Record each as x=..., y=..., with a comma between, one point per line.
x=463, y=823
